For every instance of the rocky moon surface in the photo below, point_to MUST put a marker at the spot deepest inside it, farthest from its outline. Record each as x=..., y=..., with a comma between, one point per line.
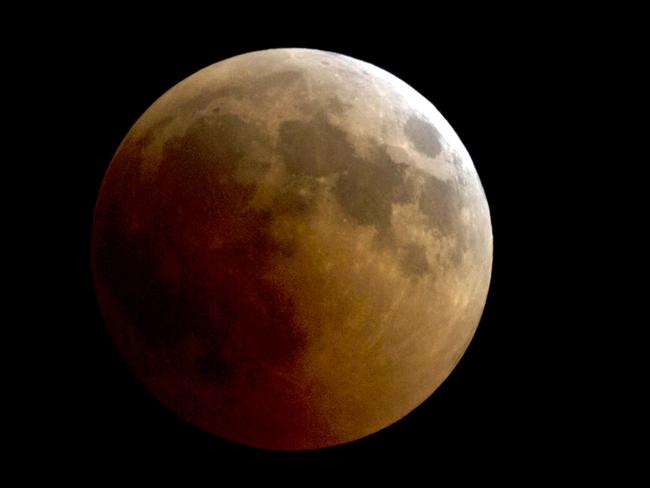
x=292, y=249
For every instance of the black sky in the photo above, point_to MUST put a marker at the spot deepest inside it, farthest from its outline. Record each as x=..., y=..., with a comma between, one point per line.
x=501, y=87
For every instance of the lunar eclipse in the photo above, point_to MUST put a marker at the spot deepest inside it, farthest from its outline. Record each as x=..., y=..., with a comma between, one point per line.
x=291, y=249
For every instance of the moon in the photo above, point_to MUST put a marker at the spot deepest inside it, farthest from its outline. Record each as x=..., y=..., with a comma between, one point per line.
x=291, y=249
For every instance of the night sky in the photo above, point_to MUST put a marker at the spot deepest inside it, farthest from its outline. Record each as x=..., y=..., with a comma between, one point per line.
x=508, y=397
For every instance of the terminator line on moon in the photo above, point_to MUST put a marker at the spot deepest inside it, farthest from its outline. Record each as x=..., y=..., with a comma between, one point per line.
x=291, y=249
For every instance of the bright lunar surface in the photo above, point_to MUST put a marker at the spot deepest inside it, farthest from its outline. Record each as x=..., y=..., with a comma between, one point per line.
x=291, y=249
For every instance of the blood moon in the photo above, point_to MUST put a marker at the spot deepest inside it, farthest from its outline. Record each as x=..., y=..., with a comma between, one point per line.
x=291, y=249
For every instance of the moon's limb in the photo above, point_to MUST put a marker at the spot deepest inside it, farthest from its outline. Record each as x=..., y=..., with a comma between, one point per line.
x=292, y=249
